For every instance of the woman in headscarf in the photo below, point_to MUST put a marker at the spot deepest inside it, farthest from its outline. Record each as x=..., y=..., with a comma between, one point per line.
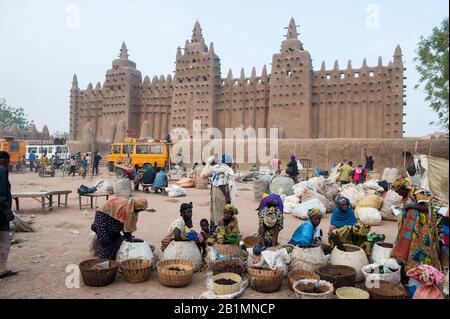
x=118, y=215
x=181, y=228
x=352, y=235
x=402, y=187
x=417, y=239
x=270, y=222
x=222, y=184
x=271, y=197
x=343, y=214
x=308, y=234
x=228, y=230
x=148, y=178
x=292, y=169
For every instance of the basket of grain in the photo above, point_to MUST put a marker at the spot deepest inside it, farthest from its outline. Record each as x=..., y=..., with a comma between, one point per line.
x=338, y=275
x=313, y=289
x=226, y=283
x=298, y=274
x=175, y=272
x=386, y=290
x=266, y=280
x=351, y=293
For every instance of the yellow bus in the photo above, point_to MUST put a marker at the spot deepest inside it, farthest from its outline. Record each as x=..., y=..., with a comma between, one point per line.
x=134, y=152
x=15, y=148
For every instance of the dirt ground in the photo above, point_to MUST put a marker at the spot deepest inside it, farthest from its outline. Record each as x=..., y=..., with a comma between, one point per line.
x=61, y=238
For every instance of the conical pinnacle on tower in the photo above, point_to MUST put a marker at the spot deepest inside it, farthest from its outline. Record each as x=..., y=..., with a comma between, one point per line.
x=349, y=65
x=242, y=73
x=253, y=74
x=380, y=61
x=336, y=65
x=123, y=51
x=322, y=67
x=364, y=64
x=398, y=54
x=264, y=71
x=74, y=82
x=292, y=30
x=197, y=32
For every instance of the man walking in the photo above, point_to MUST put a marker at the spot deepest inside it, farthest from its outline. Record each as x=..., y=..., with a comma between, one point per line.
x=32, y=158
x=6, y=215
x=97, y=159
x=345, y=173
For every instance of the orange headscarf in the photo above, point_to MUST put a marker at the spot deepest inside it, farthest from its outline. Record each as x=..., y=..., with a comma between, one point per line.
x=124, y=210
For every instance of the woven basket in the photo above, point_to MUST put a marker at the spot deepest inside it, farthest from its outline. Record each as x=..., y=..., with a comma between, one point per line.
x=136, y=270
x=351, y=293
x=251, y=241
x=309, y=295
x=230, y=250
x=173, y=278
x=226, y=289
x=234, y=265
x=98, y=277
x=338, y=275
x=354, y=257
x=266, y=280
x=298, y=274
x=386, y=290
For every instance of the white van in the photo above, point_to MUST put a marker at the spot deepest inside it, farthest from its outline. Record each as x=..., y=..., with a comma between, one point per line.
x=51, y=150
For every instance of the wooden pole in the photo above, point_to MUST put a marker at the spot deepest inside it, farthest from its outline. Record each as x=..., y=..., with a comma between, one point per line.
x=393, y=158
x=431, y=141
x=92, y=152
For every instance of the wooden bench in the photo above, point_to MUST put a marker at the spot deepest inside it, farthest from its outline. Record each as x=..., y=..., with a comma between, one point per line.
x=93, y=197
x=43, y=198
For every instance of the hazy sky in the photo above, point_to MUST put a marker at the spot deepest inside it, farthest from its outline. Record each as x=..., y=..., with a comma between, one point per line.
x=43, y=43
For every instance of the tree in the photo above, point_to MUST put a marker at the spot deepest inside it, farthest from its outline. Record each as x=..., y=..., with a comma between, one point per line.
x=432, y=65
x=10, y=115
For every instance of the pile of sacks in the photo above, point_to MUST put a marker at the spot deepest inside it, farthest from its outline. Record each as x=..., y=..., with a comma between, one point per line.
x=371, y=202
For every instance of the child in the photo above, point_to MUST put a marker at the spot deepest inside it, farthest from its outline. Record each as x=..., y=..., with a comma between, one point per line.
x=203, y=236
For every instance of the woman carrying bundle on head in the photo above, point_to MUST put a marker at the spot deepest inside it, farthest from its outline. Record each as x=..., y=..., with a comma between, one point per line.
x=114, y=222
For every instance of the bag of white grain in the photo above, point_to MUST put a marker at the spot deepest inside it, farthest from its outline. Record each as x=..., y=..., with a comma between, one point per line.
x=282, y=185
x=301, y=210
x=289, y=204
x=391, y=199
x=261, y=185
x=309, y=194
x=353, y=194
x=123, y=187
x=370, y=216
x=390, y=174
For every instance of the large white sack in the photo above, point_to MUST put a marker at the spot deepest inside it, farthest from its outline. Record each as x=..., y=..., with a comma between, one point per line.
x=123, y=187
x=373, y=185
x=309, y=194
x=105, y=187
x=282, y=185
x=391, y=199
x=331, y=190
x=300, y=187
x=301, y=210
x=134, y=251
x=353, y=193
x=390, y=174
x=370, y=216
x=318, y=183
x=187, y=250
x=175, y=191
x=261, y=185
x=289, y=203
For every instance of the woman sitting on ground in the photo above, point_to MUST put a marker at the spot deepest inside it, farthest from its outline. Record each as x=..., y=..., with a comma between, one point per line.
x=271, y=222
x=118, y=215
x=181, y=228
x=343, y=214
x=309, y=234
x=228, y=230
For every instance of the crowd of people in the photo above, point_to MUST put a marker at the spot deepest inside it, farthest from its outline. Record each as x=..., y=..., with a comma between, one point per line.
x=422, y=237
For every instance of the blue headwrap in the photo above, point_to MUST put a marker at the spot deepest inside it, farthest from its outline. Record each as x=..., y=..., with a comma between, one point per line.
x=341, y=218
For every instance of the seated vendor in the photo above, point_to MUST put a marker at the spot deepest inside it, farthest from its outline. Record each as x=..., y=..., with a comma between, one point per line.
x=118, y=215
x=352, y=235
x=181, y=228
x=271, y=222
x=309, y=234
x=148, y=178
x=161, y=181
x=228, y=230
x=343, y=214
